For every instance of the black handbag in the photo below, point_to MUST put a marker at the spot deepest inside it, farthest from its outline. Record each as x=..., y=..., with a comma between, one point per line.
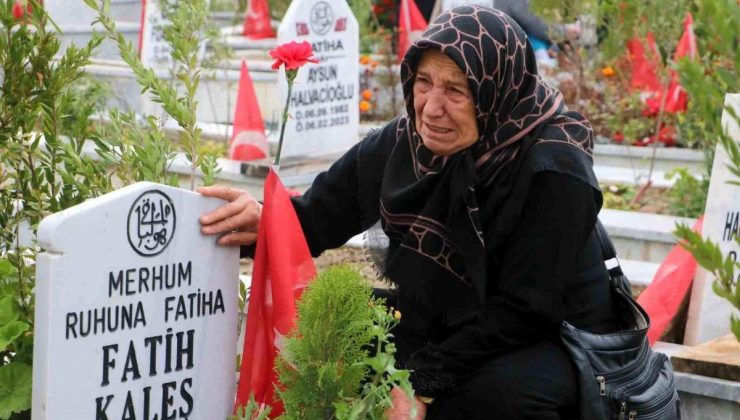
x=619, y=376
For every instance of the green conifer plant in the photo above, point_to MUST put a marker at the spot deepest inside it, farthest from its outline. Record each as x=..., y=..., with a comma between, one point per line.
x=339, y=363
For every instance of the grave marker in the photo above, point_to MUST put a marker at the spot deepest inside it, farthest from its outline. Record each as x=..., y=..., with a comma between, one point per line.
x=709, y=315
x=325, y=97
x=154, y=50
x=136, y=310
x=70, y=13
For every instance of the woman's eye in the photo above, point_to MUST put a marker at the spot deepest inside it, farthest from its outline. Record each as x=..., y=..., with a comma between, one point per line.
x=457, y=92
x=422, y=84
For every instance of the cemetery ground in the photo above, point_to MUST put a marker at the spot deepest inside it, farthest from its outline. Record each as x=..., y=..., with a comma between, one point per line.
x=78, y=128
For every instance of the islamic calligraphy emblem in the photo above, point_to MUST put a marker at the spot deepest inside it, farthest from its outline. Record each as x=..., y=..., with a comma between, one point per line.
x=151, y=223
x=322, y=17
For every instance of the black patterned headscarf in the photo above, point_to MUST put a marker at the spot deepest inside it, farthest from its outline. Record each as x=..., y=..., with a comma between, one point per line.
x=436, y=210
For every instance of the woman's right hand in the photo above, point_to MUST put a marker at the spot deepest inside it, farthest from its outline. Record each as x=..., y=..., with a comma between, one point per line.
x=237, y=221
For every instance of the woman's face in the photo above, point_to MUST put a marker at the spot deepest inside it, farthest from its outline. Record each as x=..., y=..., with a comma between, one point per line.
x=443, y=103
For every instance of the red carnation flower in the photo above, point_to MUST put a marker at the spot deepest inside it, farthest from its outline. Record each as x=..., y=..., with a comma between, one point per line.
x=293, y=55
x=18, y=11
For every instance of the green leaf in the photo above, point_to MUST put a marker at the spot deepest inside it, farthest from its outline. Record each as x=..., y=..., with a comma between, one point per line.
x=15, y=388
x=8, y=310
x=6, y=268
x=735, y=326
x=10, y=332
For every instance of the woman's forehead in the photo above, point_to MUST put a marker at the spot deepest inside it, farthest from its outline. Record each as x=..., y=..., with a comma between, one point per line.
x=437, y=64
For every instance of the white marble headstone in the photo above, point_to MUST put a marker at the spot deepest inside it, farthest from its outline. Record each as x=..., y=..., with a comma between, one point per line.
x=325, y=98
x=66, y=13
x=154, y=50
x=709, y=315
x=136, y=311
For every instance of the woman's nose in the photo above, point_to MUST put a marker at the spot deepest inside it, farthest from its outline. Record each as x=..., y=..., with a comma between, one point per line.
x=434, y=106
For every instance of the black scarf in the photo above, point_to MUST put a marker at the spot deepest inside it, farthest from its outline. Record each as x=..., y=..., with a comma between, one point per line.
x=437, y=210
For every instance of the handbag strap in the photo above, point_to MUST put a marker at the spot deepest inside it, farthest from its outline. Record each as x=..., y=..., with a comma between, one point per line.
x=607, y=246
x=609, y=253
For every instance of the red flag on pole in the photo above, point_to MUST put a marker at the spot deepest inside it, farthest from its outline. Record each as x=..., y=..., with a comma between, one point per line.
x=411, y=24
x=677, y=99
x=644, y=64
x=248, y=141
x=662, y=298
x=257, y=22
x=282, y=268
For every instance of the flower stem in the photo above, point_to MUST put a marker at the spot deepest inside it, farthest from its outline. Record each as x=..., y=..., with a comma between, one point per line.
x=285, y=121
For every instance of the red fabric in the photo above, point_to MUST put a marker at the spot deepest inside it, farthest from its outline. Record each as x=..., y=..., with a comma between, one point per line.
x=677, y=99
x=644, y=64
x=663, y=297
x=141, y=26
x=248, y=139
x=257, y=22
x=246, y=152
x=411, y=24
x=282, y=268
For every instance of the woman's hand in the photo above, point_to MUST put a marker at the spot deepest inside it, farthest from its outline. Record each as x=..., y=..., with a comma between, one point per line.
x=401, y=409
x=236, y=221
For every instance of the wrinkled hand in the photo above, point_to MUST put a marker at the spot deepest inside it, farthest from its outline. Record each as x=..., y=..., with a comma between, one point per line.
x=237, y=221
x=401, y=409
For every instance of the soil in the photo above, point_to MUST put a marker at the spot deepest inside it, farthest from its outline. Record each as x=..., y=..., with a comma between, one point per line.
x=620, y=197
x=655, y=200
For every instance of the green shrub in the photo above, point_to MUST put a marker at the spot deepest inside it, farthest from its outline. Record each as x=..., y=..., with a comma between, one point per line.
x=688, y=196
x=339, y=363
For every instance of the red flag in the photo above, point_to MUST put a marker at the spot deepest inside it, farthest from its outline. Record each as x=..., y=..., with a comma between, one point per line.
x=677, y=98
x=257, y=22
x=282, y=269
x=644, y=64
x=411, y=24
x=248, y=141
x=663, y=297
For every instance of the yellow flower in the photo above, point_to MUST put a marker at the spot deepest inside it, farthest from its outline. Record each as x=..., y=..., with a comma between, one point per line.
x=397, y=315
x=608, y=71
x=365, y=106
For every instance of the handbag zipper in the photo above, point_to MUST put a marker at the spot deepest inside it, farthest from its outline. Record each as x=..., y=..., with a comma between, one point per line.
x=651, y=369
x=646, y=407
x=668, y=395
x=661, y=414
x=634, y=367
x=602, y=385
x=622, y=410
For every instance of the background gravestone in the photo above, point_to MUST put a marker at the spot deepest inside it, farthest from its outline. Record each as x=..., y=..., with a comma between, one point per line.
x=154, y=49
x=75, y=20
x=325, y=98
x=709, y=315
x=136, y=311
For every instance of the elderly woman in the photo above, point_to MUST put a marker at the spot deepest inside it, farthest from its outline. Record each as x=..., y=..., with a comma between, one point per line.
x=486, y=191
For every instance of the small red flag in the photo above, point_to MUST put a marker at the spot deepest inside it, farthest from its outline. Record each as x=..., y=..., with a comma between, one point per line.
x=282, y=268
x=248, y=140
x=677, y=99
x=257, y=22
x=644, y=64
x=662, y=298
x=411, y=24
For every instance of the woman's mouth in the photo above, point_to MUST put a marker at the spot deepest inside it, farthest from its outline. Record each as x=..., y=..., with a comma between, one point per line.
x=438, y=130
